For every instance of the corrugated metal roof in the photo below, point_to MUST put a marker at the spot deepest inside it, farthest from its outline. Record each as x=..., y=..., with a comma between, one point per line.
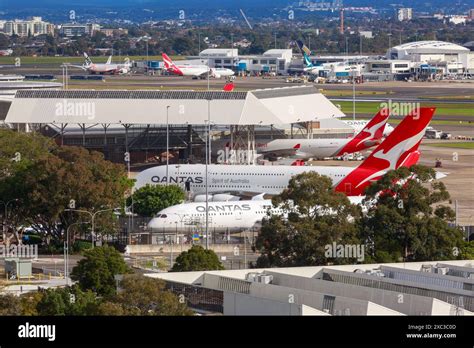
x=89, y=94
x=260, y=107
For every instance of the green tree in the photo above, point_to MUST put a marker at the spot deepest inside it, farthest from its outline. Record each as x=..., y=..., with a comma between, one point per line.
x=46, y=178
x=97, y=269
x=316, y=215
x=150, y=199
x=10, y=305
x=197, y=259
x=67, y=301
x=406, y=219
x=140, y=295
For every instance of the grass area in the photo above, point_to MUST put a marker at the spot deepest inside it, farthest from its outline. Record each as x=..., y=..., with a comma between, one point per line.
x=461, y=145
x=344, y=93
x=75, y=60
x=446, y=109
x=451, y=97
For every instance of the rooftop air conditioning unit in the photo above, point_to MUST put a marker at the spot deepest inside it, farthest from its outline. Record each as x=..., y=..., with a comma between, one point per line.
x=442, y=270
x=251, y=277
x=264, y=278
x=427, y=268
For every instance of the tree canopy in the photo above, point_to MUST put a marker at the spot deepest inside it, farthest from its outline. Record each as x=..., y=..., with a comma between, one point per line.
x=406, y=219
x=96, y=271
x=46, y=179
x=197, y=259
x=315, y=216
x=150, y=199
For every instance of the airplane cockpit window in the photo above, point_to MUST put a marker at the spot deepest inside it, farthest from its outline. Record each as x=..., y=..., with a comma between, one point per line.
x=164, y=216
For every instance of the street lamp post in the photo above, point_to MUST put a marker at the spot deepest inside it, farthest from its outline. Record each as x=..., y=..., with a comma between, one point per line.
x=207, y=174
x=353, y=95
x=5, y=204
x=92, y=215
x=66, y=252
x=167, y=143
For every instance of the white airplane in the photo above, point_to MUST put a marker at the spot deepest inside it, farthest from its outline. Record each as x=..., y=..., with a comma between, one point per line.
x=7, y=52
x=358, y=125
x=234, y=216
x=195, y=70
x=368, y=136
x=107, y=68
x=398, y=149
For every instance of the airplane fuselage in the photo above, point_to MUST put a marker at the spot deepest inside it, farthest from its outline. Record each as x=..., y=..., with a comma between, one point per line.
x=233, y=216
x=233, y=178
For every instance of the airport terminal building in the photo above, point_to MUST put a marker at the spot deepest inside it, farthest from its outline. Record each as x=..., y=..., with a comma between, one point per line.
x=418, y=288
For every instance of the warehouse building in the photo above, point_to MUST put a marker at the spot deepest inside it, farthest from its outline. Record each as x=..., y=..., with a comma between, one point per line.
x=418, y=288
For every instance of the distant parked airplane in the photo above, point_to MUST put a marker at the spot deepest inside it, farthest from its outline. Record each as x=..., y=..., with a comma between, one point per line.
x=194, y=70
x=107, y=68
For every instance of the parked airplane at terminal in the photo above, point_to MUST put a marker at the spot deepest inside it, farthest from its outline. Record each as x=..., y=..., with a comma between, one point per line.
x=107, y=68
x=231, y=216
x=7, y=52
x=358, y=125
x=369, y=136
x=194, y=70
x=395, y=151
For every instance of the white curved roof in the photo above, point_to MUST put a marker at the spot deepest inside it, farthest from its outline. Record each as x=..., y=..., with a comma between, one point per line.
x=430, y=47
x=258, y=107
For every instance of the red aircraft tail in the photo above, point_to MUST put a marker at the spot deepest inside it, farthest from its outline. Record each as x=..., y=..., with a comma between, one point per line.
x=369, y=136
x=400, y=148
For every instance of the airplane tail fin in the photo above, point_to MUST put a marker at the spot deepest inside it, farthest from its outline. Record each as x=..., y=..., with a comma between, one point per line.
x=87, y=59
x=229, y=87
x=306, y=53
x=398, y=149
x=109, y=61
x=169, y=65
x=369, y=136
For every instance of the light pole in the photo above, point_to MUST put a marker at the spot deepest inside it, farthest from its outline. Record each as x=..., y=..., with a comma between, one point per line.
x=5, y=204
x=207, y=174
x=167, y=143
x=199, y=43
x=66, y=251
x=353, y=95
x=92, y=215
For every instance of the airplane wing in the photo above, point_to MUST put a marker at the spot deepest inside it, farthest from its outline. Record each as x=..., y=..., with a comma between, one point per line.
x=202, y=73
x=79, y=66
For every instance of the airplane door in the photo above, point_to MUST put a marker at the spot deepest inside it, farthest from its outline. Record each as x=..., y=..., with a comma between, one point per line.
x=238, y=215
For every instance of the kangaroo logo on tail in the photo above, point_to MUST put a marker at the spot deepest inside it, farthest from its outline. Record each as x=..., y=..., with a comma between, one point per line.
x=400, y=148
x=369, y=136
x=170, y=66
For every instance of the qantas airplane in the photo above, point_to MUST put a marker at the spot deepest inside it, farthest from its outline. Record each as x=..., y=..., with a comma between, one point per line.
x=194, y=70
x=358, y=125
x=107, y=68
x=369, y=136
x=398, y=149
x=7, y=52
x=222, y=217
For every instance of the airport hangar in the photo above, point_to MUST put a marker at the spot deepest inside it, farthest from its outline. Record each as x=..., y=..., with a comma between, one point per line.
x=187, y=113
